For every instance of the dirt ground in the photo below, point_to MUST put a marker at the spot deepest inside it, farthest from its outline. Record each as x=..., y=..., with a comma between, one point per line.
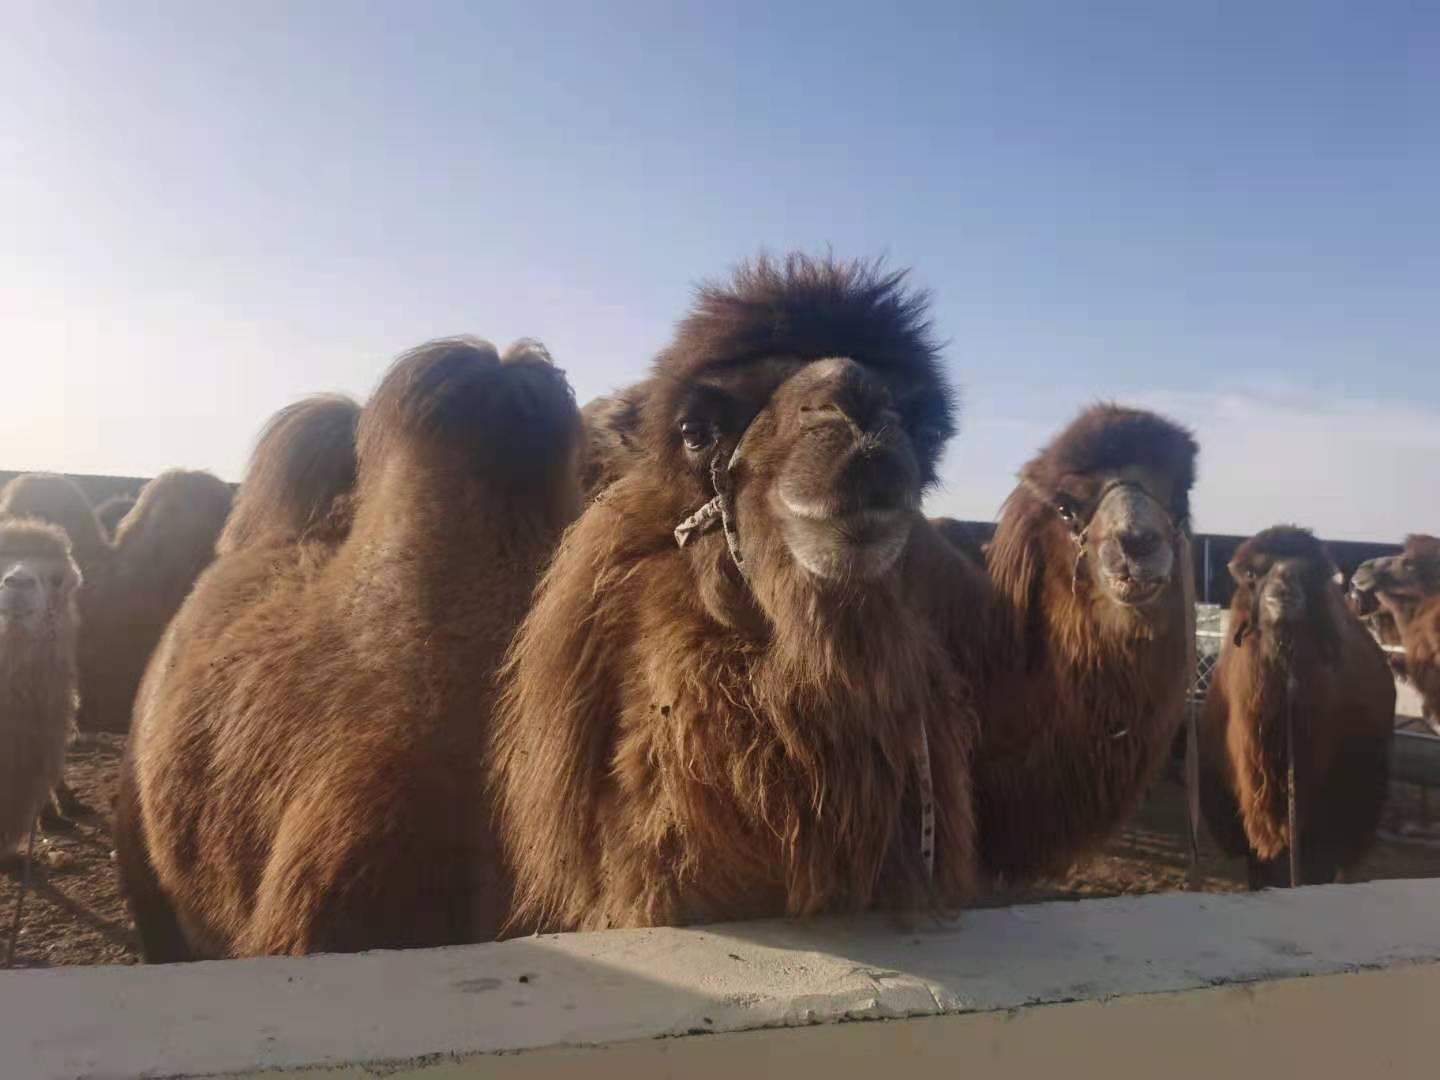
x=74, y=914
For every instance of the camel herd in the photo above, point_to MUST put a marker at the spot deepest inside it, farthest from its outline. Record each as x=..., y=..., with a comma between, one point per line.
x=467, y=661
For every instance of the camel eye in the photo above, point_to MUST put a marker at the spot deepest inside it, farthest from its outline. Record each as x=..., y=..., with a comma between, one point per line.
x=696, y=435
x=1065, y=507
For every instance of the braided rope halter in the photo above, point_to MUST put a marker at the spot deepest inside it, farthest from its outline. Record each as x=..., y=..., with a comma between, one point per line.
x=720, y=510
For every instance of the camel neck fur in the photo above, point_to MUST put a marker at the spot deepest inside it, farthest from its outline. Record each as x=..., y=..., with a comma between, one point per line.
x=37, y=664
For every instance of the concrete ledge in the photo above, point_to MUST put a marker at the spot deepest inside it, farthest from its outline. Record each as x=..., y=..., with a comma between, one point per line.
x=609, y=997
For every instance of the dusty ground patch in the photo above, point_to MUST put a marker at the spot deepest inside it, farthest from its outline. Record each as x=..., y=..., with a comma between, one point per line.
x=75, y=915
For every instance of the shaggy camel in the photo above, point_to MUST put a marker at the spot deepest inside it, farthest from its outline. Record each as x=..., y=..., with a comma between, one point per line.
x=58, y=500
x=38, y=681
x=747, y=685
x=1091, y=639
x=1407, y=588
x=111, y=512
x=1297, y=655
x=133, y=585
x=269, y=801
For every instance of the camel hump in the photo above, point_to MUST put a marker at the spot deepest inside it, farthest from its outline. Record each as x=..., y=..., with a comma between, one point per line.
x=58, y=500
x=512, y=412
x=179, y=511
x=300, y=474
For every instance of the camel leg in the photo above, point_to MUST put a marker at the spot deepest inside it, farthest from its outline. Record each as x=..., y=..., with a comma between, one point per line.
x=1254, y=876
x=162, y=941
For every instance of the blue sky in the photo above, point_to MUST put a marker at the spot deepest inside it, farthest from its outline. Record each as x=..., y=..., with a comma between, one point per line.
x=1226, y=211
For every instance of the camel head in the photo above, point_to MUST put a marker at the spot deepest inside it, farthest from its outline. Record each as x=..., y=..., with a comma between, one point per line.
x=38, y=576
x=1117, y=481
x=1398, y=583
x=800, y=412
x=1286, y=585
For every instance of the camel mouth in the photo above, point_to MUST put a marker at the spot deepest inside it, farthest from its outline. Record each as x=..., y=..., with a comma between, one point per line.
x=1135, y=591
x=855, y=546
x=1363, y=601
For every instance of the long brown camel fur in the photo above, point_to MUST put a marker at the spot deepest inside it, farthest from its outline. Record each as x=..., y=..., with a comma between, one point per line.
x=307, y=762
x=1407, y=588
x=111, y=512
x=749, y=721
x=1296, y=654
x=1091, y=639
x=38, y=676
x=164, y=543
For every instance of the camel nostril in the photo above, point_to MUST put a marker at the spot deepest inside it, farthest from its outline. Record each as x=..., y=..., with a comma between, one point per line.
x=1138, y=543
x=20, y=581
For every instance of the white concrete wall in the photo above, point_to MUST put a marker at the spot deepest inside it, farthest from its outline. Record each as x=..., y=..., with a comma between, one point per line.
x=1176, y=985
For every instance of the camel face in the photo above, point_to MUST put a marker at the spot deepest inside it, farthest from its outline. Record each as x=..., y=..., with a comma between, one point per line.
x=829, y=466
x=34, y=584
x=1284, y=581
x=1131, y=536
x=1412, y=575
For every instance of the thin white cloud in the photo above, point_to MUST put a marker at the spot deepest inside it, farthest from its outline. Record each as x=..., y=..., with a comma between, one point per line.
x=1271, y=451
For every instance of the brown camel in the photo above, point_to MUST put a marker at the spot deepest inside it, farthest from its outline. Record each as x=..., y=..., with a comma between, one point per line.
x=163, y=544
x=1091, y=639
x=111, y=512
x=1297, y=655
x=747, y=685
x=133, y=585
x=306, y=765
x=38, y=680
x=58, y=500
x=749, y=724
x=1407, y=589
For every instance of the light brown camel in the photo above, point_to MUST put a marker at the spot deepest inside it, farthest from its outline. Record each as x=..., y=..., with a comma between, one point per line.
x=1407, y=588
x=58, y=500
x=306, y=766
x=747, y=685
x=38, y=681
x=1296, y=655
x=133, y=585
x=111, y=512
